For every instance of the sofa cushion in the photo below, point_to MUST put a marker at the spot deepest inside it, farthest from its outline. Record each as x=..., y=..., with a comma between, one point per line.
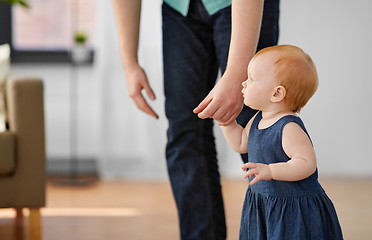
x=7, y=156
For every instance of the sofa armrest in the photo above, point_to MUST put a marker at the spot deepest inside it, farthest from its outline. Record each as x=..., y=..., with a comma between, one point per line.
x=25, y=106
x=7, y=156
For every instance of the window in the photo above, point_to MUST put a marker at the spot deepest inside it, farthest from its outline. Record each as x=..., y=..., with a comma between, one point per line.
x=45, y=32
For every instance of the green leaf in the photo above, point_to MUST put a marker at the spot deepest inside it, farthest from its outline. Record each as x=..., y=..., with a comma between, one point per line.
x=80, y=38
x=13, y=2
x=24, y=4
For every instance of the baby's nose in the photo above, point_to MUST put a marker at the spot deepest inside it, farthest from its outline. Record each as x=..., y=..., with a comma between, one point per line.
x=244, y=84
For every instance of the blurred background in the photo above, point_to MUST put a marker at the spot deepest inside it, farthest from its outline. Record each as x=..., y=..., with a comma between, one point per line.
x=111, y=137
x=93, y=128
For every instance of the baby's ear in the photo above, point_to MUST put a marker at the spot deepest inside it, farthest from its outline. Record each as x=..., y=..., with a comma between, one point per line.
x=279, y=94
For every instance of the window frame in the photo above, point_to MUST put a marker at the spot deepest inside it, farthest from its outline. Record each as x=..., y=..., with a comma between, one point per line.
x=30, y=56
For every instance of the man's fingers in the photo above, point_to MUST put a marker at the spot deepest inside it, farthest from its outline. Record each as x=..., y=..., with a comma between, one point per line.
x=227, y=119
x=209, y=111
x=151, y=112
x=150, y=93
x=143, y=106
x=202, y=105
x=221, y=115
x=230, y=120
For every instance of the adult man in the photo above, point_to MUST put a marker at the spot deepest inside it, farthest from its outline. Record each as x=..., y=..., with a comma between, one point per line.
x=196, y=43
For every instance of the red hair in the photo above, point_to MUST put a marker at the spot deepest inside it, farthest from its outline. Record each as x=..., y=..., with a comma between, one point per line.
x=296, y=72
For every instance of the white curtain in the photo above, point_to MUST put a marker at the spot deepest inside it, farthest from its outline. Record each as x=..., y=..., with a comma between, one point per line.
x=132, y=143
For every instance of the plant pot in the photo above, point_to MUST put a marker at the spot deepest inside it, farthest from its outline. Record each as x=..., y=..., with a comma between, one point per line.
x=80, y=54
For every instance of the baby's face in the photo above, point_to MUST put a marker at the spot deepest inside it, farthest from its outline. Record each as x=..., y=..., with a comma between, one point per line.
x=260, y=85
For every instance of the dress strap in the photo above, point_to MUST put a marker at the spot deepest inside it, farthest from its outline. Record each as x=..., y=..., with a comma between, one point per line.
x=256, y=121
x=291, y=118
x=280, y=123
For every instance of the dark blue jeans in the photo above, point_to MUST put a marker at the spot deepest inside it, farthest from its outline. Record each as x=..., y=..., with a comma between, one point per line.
x=195, y=47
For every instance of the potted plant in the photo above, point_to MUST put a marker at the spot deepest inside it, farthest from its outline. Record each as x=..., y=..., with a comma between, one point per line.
x=20, y=2
x=80, y=51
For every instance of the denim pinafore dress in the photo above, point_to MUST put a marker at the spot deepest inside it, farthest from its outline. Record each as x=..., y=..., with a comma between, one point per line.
x=281, y=209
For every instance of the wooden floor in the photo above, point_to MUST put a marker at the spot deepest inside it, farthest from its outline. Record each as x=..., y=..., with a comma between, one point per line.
x=146, y=211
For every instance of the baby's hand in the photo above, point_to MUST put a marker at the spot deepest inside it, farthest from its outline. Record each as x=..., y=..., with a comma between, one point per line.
x=259, y=170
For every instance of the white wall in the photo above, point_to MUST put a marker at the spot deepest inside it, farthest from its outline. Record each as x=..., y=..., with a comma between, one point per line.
x=334, y=33
x=337, y=36
x=57, y=79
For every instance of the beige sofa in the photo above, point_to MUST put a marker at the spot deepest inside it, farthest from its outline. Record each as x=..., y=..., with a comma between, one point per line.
x=22, y=150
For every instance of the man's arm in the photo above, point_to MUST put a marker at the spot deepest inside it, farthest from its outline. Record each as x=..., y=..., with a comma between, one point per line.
x=225, y=102
x=127, y=15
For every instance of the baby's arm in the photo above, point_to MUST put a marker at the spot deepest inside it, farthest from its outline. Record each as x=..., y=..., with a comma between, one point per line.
x=237, y=136
x=297, y=145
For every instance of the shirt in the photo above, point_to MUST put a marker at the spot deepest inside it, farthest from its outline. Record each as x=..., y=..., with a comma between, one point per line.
x=212, y=6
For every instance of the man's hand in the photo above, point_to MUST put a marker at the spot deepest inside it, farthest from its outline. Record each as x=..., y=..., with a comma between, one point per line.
x=136, y=82
x=224, y=102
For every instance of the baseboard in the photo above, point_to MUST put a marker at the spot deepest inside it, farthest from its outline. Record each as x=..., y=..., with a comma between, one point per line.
x=66, y=167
